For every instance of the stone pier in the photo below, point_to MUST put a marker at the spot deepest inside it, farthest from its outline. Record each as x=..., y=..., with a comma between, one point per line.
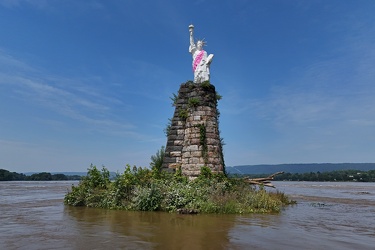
x=193, y=135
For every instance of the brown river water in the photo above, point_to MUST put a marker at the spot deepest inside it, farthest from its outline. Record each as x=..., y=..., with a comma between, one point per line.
x=328, y=215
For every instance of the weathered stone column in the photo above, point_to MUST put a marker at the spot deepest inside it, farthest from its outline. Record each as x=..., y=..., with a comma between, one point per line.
x=193, y=136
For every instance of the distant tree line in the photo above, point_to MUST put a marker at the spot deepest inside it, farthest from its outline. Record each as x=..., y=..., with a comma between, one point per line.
x=6, y=175
x=339, y=175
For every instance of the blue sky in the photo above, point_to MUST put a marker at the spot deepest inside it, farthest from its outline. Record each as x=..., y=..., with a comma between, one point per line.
x=86, y=82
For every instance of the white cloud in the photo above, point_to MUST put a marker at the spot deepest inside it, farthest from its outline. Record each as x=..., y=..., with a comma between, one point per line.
x=83, y=104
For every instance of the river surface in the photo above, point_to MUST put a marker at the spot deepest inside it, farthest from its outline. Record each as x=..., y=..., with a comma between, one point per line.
x=328, y=215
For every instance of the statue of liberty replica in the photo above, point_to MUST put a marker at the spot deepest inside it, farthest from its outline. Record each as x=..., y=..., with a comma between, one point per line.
x=193, y=134
x=201, y=62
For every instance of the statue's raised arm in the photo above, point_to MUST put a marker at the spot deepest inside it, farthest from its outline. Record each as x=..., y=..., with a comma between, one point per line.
x=201, y=62
x=191, y=30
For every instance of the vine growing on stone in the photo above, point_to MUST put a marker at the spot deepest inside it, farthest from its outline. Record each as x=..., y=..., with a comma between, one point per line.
x=203, y=141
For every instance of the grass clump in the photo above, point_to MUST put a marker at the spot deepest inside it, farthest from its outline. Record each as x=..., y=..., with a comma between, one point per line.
x=193, y=102
x=183, y=114
x=144, y=189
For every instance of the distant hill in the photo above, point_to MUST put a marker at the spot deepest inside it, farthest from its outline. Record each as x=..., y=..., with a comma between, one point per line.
x=71, y=173
x=111, y=174
x=270, y=169
x=65, y=173
x=298, y=168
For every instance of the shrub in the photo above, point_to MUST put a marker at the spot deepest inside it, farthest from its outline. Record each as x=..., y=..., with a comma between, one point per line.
x=178, y=195
x=147, y=198
x=95, y=178
x=157, y=160
x=76, y=197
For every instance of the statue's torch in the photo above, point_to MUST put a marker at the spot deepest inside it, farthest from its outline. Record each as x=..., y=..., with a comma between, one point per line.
x=191, y=28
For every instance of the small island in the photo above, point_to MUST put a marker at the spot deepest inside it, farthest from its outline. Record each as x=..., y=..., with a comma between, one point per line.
x=144, y=189
x=188, y=175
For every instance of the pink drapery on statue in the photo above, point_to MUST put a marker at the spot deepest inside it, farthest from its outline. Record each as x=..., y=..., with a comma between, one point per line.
x=197, y=60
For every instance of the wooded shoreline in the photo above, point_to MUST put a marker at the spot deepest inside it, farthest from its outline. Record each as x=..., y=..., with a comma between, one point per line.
x=6, y=175
x=340, y=175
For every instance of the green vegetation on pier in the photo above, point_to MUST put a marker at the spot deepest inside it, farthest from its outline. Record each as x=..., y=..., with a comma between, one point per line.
x=146, y=189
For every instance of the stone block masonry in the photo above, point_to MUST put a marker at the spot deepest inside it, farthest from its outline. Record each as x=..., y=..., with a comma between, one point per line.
x=193, y=137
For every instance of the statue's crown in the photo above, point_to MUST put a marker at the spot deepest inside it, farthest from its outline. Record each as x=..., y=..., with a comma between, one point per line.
x=204, y=43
